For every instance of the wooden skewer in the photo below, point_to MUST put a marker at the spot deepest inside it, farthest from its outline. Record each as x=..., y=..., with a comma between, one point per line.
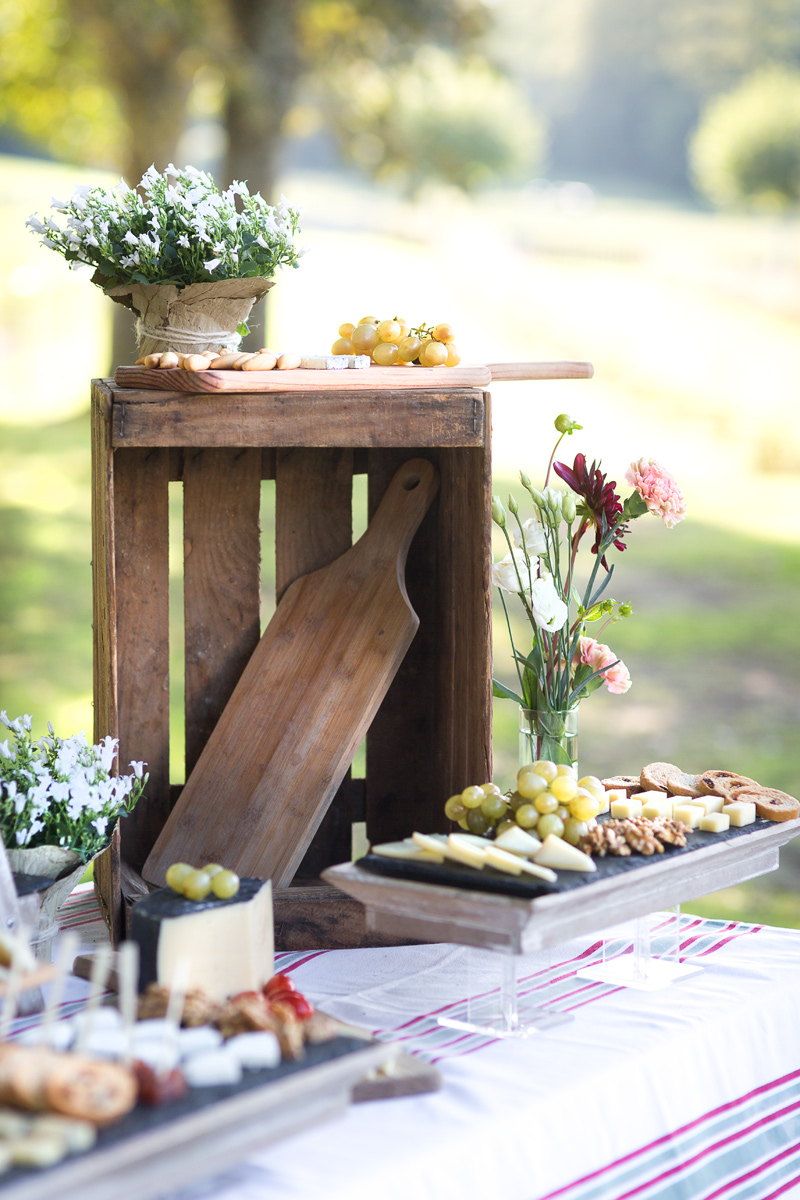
x=66, y=953
x=128, y=983
x=100, y=969
x=177, y=995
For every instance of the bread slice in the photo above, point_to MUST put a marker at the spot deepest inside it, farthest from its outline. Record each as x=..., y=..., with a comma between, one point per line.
x=721, y=783
x=770, y=802
x=657, y=775
x=627, y=783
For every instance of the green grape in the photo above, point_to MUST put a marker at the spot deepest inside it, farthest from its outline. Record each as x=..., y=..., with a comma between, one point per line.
x=453, y=357
x=549, y=823
x=472, y=797
x=566, y=769
x=343, y=345
x=385, y=354
x=462, y=821
x=548, y=770
x=593, y=785
x=564, y=787
x=444, y=333
x=389, y=331
x=515, y=801
x=346, y=329
x=545, y=802
x=584, y=805
x=562, y=811
x=197, y=885
x=477, y=822
x=177, y=875
x=527, y=816
x=491, y=789
x=212, y=869
x=369, y=321
x=574, y=830
x=409, y=348
x=364, y=339
x=225, y=884
x=454, y=808
x=494, y=807
x=433, y=354
x=505, y=824
x=530, y=785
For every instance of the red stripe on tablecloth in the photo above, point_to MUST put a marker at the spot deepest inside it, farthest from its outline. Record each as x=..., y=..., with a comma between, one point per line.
x=302, y=962
x=770, y=1162
x=724, y=942
x=682, y=1129
x=784, y=1187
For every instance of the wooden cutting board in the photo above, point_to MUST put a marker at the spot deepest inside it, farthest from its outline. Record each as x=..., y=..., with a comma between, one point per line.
x=392, y=378
x=304, y=702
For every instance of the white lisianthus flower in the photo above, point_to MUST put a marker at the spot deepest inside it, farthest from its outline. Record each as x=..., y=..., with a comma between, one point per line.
x=549, y=610
x=533, y=533
x=508, y=572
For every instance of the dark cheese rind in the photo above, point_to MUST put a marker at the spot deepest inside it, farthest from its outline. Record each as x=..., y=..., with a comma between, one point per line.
x=165, y=904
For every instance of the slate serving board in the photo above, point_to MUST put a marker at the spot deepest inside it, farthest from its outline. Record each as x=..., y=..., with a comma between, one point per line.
x=451, y=874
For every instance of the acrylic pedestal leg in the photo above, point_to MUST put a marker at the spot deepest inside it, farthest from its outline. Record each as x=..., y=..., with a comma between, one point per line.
x=494, y=1006
x=646, y=957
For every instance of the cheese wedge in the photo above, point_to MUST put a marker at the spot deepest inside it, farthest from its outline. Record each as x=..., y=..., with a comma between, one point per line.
x=466, y=851
x=465, y=855
x=403, y=850
x=517, y=841
x=501, y=860
x=557, y=853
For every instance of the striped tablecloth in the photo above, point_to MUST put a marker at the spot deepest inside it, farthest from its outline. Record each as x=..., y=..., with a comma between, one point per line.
x=690, y=1093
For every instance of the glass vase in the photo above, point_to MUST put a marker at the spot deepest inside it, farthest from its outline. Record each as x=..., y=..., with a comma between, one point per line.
x=548, y=734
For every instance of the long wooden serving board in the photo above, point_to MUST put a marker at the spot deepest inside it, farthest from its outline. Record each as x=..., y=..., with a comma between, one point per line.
x=303, y=704
x=506, y=918
x=155, y=1151
x=348, y=380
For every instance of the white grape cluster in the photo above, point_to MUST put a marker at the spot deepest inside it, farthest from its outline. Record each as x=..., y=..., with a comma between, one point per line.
x=395, y=343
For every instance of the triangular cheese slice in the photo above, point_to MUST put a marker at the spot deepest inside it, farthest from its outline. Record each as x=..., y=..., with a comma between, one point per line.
x=557, y=853
x=407, y=851
x=466, y=851
x=517, y=841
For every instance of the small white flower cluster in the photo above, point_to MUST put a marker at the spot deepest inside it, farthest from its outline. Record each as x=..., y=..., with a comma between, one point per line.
x=61, y=791
x=177, y=228
x=522, y=572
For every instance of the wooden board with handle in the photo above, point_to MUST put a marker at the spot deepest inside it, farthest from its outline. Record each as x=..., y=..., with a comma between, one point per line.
x=304, y=702
x=370, y=379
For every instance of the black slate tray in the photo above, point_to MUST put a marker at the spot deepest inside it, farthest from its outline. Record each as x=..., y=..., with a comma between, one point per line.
x=488, y=880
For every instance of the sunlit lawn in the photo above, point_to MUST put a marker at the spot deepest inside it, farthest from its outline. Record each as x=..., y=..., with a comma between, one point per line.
x=693, y=328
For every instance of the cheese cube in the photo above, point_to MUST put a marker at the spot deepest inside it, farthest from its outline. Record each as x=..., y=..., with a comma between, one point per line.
x=229, y=943
x=629, y=807
x=690, y=814
x=740, y=812
x=715, y=822
x=709, y=804
x=605, y=802
x=656, y=804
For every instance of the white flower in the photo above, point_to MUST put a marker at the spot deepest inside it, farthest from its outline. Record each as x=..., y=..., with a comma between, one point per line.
x=21, y=836
x=131, y=239
x=35, y=224
x=212, y=264
x=58, y=205
x=549, y=610
x=4, y=719
x=27, y=721
x=5, y=749
x=11, y=788
x=108, y=748
x=100, y=825
x=184, y=241
x=533, y=532
x=19, y=804
x=508, y=572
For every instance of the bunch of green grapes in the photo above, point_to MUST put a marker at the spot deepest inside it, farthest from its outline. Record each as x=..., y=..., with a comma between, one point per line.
x=195, y=883
x=395, y=343
x=478, y=809
x=551, y=799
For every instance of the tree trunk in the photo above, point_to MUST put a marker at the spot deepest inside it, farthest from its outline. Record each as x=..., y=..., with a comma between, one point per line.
x=261, y=86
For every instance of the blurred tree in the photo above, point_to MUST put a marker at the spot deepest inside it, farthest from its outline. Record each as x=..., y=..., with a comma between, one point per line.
x=746, y=150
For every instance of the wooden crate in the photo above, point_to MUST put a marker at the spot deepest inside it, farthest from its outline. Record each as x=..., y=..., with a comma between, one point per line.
x=432, y=734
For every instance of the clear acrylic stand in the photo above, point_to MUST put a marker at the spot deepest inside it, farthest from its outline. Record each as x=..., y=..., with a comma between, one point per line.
x=647, y=956
x=494, y=1007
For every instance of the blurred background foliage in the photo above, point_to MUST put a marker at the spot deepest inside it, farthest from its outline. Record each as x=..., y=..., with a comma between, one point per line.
x=613, y=180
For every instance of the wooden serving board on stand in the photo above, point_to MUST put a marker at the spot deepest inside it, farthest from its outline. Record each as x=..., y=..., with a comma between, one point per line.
x=304, y=702
x=348, y=380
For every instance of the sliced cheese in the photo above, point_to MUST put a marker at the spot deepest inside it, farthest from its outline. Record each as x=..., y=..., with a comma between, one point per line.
x=325, y=362
x=466, y=851
x=229, y=943
x=410, y=852
x=517, y=841
x=557, y=853
x=501, y=860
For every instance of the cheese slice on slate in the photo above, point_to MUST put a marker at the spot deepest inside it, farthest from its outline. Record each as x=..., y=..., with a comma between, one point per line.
x=406, y=850
x=229, y=943
x=517, y=841
x=555, y=852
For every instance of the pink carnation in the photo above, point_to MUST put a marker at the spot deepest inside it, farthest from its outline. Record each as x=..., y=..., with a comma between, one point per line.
x=658, y=489
x=596, y=655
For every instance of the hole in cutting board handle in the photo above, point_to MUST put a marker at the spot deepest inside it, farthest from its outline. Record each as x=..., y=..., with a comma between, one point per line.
x=410, y=482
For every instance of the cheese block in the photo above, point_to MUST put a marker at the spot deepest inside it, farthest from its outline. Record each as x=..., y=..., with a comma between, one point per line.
x=709, y=804
x=740, y=812
x=517, y=841
x=715, y=822
x=557, y=853
x=656, y=804
x=629, y=807
x=229, y=943
x=690, y=814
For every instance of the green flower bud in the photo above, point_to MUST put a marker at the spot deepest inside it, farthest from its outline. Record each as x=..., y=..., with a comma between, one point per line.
x=626, y=609
x=513, y=507
x=565, y=424
x=569, y=507
x=524, y=479
x=553, y=498
x=498, y=512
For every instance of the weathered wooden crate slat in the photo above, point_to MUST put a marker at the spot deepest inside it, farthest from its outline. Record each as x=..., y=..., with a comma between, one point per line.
x=433, y=731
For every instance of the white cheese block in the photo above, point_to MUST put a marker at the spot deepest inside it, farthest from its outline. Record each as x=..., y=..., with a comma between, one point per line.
x=255, y=1050
x=557, y=853
x=690, y=814
x=517, y=841
x=709, y=804
x=715, y=822
x=325, y=362
x=623, y=809
x=607, y=797
x=198, y=1040
x=229, y=943
x=212, y=1069
x=410, y=852
x=656, y=804
x=740, y=812
x=358, y=362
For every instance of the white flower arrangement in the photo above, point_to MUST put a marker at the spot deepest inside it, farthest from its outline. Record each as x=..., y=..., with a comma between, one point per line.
x=60, y=792
x=176, y=228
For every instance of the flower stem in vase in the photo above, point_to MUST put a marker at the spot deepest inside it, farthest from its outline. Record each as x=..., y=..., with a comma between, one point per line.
x=548, y=734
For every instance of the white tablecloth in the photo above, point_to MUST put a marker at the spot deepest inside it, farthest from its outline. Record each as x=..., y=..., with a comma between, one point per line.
x=690, y=1093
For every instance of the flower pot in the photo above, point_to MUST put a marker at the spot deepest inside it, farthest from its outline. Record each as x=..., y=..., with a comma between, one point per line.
x=200, y=316
x=65, y=868
x=546, y=734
